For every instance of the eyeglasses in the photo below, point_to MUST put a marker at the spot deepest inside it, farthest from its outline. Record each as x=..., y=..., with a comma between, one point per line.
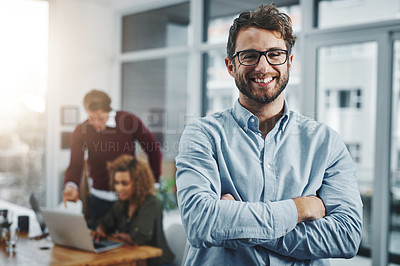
x=274, y=57
x=98, y=118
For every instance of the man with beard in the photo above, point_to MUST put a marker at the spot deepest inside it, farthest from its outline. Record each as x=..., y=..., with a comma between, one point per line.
x=259, y=184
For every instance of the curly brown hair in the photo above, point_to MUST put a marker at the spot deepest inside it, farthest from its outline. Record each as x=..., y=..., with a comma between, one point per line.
x=265, y=17
x=141, y=176
x=97, y=100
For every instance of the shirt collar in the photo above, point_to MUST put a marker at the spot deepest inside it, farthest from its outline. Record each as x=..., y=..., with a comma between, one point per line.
x=242, y=115
x=247, y=120
x=285, y=117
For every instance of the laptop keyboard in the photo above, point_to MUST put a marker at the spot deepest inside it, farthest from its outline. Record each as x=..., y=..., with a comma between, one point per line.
x=98, y=244
x=102, y=243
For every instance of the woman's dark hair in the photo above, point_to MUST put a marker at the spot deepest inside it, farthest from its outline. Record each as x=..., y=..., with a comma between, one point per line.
x=140, y=173
x=265, y=17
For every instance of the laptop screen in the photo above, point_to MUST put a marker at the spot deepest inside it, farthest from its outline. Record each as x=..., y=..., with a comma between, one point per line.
x=70, y=229
x=35, y=207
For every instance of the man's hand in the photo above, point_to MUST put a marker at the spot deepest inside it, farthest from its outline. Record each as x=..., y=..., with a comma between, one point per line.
x=309, y=208
x=70, y=194
x=227, y=197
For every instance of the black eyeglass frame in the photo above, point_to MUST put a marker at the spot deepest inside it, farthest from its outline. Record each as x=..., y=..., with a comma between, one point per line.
x=260, y=54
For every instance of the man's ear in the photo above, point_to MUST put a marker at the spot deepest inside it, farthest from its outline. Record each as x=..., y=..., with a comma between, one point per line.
x=230, y=66
x=290, y=61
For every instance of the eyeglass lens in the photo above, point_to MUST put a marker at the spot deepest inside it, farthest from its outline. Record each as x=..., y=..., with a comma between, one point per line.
x=276, y=57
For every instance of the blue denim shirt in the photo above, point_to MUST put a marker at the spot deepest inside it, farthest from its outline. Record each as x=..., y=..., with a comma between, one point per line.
x=227, y=153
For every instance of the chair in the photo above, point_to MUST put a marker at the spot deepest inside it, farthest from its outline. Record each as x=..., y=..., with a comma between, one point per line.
x=176, y=239
x=84, y=193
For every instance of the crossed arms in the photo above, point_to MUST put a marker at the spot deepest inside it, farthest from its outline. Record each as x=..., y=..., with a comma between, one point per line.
x=325, y=225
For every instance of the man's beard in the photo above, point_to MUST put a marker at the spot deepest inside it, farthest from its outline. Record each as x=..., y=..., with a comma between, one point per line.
x=244, y=87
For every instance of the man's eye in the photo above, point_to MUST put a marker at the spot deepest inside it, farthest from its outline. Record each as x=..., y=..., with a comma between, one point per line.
x=248, y=56
x=275, y=54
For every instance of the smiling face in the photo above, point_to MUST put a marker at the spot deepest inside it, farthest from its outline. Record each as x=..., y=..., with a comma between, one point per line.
x=262, y=83
x=123, y=185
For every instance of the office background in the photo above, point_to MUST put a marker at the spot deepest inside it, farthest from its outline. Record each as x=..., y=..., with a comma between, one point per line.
x=164, y=61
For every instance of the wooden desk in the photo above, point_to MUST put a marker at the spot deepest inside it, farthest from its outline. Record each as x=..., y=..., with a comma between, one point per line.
x=44, y=252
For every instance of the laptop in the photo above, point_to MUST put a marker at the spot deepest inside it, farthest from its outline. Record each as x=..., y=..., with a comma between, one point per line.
x=70, y=230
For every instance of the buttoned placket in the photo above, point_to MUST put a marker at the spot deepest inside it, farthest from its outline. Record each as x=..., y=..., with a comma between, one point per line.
x=266, y=147
x=270, y=144
x=269, y=171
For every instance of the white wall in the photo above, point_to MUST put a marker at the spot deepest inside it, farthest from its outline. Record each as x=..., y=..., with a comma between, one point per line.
x=82, y=52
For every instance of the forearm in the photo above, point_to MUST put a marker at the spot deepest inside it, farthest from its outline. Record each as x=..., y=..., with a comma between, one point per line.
x=153, y=150
x=338, y=234
x=73, y=175
x=155, y=160
x=108, y=223
x=308, y=208
x=125, y=237
x=330, y=237
x=209, y=221
x=76, y=165
x=334, y=236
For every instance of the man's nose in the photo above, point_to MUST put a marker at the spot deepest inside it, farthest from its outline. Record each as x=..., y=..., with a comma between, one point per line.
x=263, y=65
x=97, y=123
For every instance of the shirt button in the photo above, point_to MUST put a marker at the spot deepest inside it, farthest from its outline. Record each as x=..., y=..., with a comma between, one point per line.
x=268, y=166
x=252, y=120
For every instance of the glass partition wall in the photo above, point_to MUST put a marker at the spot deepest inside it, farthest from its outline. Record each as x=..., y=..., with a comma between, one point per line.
x=350, y=89
x=394, y=233
x=346, y=101
x=354, y=88
x=154, y=74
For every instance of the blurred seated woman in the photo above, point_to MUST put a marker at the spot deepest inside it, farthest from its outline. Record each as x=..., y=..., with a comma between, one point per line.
x=136, y=218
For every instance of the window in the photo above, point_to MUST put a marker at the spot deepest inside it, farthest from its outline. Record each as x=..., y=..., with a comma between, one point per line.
x=23, y=82
x=154, y=83
x=219, y=15
x=355, y=151
x=352, y=12
x=159, y=102
x=343, y=98
x=165, y=27
x=394, y=233
x=221, y=89
x=347, y=103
